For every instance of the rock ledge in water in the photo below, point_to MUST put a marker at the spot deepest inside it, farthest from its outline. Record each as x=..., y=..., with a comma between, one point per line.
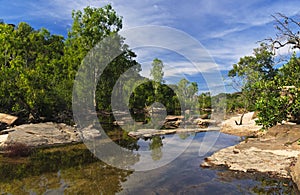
x=275, y=153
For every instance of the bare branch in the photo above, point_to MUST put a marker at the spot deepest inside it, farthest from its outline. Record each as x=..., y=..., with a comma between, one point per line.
x=288, y=32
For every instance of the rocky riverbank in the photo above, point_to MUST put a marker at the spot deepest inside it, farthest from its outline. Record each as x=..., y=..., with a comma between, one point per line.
x=41, y=134
x=246, y=127
x=275, y=152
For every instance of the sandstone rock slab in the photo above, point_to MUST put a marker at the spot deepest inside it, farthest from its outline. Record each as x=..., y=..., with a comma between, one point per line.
x=42, y=134
x=272, y=153
x=247, y=128
x=8, y=119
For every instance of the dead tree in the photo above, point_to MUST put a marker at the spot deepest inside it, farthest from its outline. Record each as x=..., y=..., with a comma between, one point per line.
x=288, y=32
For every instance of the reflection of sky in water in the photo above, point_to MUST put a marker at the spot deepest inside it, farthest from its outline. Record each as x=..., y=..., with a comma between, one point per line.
x=182, y=172
x=185, y=176
x=175, y=145
x=172, y=147
x=169, y=140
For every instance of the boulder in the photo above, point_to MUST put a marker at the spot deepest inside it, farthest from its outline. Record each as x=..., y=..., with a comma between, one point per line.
x=41, y=134
x=8, y=119
x=172, y=122
x=295, y=172
x=204, y=123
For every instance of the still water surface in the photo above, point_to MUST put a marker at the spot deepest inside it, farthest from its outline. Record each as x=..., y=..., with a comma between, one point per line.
x=74, y=170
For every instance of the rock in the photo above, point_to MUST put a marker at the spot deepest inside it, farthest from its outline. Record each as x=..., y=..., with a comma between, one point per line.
x=248, y=127
x=8, y=119
x=295, y=172
x=147, y=133
x=172, y=122
x=204, y=116
x=271, y=153
x=174, y=118
x=118, y=123
x=42, y=134
x=236, y=151
x=204, y=123
x=3, y=138
x=89, y=133
x=188, y=112
x=275, y=162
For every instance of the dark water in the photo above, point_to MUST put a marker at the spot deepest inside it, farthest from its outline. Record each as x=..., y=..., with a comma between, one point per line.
x=74, y=170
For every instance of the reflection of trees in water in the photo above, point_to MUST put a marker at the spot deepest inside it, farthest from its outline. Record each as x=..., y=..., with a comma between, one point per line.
x=71, y=169
x=184, y=135
x=121, y=137
x=155, y=146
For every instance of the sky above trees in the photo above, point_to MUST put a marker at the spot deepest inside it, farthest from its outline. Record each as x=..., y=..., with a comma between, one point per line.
x=228, y=31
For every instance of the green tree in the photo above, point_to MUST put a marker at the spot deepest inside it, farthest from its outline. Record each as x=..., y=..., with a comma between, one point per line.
x=90, y=27
x=264, y=86
x=30, y=64
x=204, y=101
x=157, y=75
x=157, y=71
x=186, y=92
x=38, y=68
x=280, y=99
x=250, y=71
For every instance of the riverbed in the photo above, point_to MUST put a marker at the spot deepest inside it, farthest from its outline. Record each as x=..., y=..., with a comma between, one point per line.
x=73, y=169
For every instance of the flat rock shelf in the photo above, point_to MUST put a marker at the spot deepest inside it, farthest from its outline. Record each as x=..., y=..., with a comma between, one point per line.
x=41, y=134
x=275, y=153
x=148, y=133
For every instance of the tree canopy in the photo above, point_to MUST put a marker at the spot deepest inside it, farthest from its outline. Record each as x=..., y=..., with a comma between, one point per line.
x=38, y=69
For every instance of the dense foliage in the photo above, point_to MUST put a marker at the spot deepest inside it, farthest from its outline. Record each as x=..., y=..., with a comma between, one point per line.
x=38, y=69
x=269, y=86
x=31, y=77
x=280, y=98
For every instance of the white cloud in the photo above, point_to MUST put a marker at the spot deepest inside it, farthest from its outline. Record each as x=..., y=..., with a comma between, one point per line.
x=135, y=12
x=227, y=29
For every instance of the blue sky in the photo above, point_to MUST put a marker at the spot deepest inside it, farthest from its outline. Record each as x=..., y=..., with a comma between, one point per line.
x=227, y=29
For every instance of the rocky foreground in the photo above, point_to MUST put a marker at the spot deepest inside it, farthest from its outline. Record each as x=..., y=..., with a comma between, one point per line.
x=41, y=134
x=276, y=152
